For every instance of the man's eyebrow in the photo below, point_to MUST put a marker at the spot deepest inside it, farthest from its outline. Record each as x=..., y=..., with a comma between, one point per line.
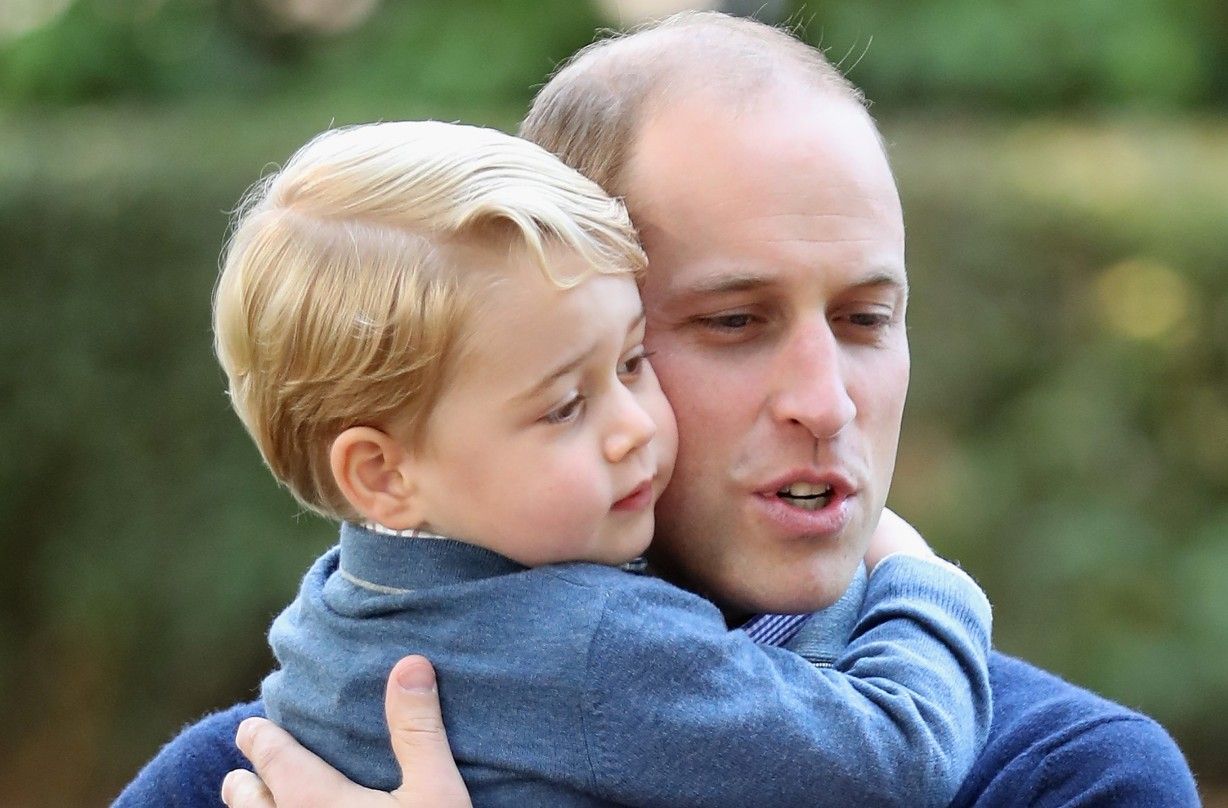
x=723, y=284
x=576, y=360
x=884, y=280
x=748, y=281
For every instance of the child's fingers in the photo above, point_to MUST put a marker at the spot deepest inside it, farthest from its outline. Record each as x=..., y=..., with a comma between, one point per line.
x=429, y=775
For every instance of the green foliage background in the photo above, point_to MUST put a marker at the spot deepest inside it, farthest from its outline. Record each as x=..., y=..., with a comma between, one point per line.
x=1064, y=167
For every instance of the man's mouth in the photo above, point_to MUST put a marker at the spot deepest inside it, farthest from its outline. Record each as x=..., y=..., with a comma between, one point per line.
x=807, y=496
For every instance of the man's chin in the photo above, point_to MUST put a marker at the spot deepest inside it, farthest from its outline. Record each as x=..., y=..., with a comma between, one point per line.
x=778, y=592
x=765, y=576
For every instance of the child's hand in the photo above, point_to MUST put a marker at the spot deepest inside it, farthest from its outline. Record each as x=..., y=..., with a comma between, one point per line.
x=894, y=535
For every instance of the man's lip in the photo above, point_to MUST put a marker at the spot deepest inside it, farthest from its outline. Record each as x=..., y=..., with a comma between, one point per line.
x=790, y=520
x=793, y=521
x=841, y=486
x=640, y=497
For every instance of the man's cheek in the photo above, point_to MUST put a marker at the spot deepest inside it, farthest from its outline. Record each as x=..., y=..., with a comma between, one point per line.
x=683, y=384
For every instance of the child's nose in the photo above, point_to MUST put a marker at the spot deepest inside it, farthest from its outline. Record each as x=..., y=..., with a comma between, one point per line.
x=631, y=427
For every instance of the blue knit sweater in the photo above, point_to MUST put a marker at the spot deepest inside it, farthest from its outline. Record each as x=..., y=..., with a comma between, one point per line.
x=570, y=684
x=1050, y=744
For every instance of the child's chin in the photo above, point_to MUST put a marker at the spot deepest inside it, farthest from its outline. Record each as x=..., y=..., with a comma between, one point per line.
x=638, y=550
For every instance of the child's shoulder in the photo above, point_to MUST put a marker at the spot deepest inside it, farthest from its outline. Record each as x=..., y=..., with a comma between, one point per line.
x=622, y=591
x=587, y=574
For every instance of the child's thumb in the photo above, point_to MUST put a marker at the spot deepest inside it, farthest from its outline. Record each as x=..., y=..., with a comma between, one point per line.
x=429, y=776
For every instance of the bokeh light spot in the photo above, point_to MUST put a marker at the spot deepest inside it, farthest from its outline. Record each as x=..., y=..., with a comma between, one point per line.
x=632, y=12
x=21, y=17
x=1143, y=299
x=321, y=16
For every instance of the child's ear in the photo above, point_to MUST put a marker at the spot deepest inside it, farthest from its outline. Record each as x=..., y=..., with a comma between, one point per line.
x=376, y=474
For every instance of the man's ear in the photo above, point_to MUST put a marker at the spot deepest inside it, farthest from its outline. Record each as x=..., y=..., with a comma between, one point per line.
x=376, y=474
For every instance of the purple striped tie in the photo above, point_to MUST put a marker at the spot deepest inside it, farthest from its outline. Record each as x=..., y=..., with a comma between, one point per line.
x=774, y=629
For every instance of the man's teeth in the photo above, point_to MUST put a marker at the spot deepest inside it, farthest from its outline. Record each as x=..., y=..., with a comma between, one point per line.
x=807, y=496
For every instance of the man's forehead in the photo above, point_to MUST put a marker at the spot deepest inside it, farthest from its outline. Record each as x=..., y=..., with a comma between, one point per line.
x=700, y=143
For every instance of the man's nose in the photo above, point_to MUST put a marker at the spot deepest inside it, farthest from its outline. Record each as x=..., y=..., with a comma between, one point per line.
x=810, y=385
x=630, y=426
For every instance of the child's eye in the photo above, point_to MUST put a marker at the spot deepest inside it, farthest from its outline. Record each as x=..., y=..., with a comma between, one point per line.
x=633, y=365
x=566, y=412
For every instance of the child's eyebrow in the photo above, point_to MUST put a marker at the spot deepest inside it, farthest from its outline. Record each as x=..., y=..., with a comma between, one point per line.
x=576, y=361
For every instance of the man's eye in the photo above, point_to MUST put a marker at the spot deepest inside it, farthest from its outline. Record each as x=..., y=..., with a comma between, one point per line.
x=870, y=319
x=566, y=412
x=728, y=322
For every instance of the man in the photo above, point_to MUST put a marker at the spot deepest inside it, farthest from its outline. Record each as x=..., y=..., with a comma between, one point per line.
x=775, y=300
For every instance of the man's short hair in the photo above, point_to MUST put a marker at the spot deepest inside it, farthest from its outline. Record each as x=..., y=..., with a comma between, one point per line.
x=593, y=107
x=342, y=301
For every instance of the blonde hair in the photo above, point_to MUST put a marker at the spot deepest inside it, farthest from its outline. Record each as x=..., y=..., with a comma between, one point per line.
x=591, y=110
x=339, y=303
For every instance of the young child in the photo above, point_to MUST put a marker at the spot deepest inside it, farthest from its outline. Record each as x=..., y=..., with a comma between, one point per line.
x=434, y=335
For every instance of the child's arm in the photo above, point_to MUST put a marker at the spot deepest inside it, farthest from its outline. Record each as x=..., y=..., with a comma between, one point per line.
x=894, y=535
x=686, y=714
x=681, y=713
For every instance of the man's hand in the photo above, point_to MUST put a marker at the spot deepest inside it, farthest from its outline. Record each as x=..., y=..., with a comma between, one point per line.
x=288, y=776
x=894, y=535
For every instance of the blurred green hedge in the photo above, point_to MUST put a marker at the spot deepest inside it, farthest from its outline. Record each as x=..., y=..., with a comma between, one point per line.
x=1068, y=425
x=478, y=51
x=1028, y=55
x=1064, y=438
x=1025, y=55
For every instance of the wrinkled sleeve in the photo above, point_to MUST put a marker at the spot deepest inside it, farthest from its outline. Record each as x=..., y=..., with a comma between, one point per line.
x=684, y=713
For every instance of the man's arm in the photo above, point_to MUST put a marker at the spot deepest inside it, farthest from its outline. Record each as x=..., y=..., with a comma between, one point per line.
x=187, y=771
x=292, y=777
x=1055, y=745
